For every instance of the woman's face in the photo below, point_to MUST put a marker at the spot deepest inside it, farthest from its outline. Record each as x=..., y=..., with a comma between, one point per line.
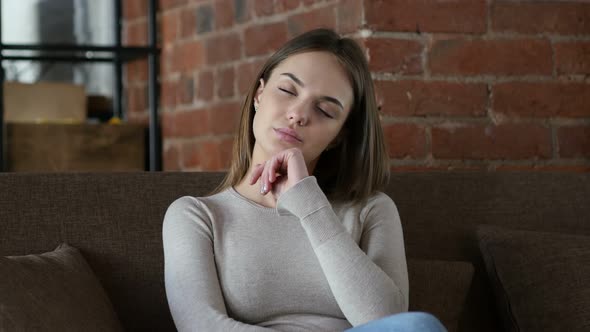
x=304, y=104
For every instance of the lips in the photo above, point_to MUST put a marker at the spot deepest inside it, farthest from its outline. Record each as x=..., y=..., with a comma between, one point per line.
x=288, y=134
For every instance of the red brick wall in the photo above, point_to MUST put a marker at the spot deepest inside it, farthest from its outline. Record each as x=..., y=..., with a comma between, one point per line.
x=462, y=84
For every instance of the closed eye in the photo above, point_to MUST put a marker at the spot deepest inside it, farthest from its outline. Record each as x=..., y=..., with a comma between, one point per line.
x=326, y=114
x=287, y=91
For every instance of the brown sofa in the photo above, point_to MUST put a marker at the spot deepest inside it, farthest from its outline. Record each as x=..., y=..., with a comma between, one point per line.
x=115, y=220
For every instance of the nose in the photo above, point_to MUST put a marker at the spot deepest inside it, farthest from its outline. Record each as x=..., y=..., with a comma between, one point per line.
x=298, y=114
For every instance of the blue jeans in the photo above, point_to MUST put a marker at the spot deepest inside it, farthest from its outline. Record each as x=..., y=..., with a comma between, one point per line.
x=404, y=322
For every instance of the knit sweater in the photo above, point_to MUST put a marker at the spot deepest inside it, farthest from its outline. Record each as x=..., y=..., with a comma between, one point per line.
x=234, y=265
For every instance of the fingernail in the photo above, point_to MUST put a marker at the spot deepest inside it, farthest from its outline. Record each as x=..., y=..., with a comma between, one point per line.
x=263, y=189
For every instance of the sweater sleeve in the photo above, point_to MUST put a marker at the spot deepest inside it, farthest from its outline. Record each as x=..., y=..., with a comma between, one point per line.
x=192, y=286
x=369, y=281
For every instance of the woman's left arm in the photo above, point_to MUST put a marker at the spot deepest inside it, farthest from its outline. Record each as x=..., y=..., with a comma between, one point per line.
x=369, y=280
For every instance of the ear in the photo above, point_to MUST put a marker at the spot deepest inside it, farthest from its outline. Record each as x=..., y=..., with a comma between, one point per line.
x=258, y=92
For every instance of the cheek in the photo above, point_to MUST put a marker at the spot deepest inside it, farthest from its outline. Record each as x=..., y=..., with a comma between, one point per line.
x=261, y=121
x=324, y=136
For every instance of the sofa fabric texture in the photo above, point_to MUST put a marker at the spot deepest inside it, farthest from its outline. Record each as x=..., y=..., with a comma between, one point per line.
x=53, y=291
x=541, y=280
x=440, y=288
x=115, y=220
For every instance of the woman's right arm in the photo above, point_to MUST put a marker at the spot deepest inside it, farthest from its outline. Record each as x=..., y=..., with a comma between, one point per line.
x=192, y=286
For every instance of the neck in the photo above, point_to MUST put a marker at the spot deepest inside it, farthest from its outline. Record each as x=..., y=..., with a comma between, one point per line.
x=252, y=192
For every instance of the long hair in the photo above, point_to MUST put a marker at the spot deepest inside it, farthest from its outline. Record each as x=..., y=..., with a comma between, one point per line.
x=356, y=167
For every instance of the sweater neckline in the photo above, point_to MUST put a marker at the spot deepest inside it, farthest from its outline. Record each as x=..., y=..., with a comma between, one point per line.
x=258, y=206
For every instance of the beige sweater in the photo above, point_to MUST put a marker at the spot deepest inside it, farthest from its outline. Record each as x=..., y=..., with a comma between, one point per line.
x=234, y=265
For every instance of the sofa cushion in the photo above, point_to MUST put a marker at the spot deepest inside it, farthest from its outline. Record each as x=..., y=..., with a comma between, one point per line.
x=53, y=291
x=541, y=280
x=440, y=288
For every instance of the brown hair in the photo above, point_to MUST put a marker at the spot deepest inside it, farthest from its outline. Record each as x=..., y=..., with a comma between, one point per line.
x=357, y=166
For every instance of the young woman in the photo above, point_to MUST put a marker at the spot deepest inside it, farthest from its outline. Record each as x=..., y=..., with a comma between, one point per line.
x=297, y=237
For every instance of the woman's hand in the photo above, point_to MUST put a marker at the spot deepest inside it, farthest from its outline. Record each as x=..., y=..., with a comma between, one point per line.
x=280, y=173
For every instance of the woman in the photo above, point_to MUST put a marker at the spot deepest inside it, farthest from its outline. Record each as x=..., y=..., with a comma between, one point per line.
x=297, y=237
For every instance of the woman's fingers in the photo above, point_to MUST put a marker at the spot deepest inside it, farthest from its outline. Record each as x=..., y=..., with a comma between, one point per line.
x=263, y=182
x=266, y=185
x=280, y=172
x=269, y=175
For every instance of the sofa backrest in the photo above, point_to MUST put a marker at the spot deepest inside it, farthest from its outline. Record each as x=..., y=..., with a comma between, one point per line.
x=440, y=212
x=115, y=219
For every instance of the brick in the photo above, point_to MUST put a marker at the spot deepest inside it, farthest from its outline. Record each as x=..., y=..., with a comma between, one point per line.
x=308, y=3
x=224, y=118
x=210, y=158
x=396, y=56
x=137, y=70
x=224, y=14
x=574, y=141
x=533, y=17
x=205, y=85
x=572, y=57
x=245, y=77
x=542, y=100
x=134, y=9
x=224, y=82
x=223, y=48
x=186, y=124
x=419, y=98
x=264, y=7
x=508, y=141
x=136, y=34
x=430, y=168
x=141, y=118
x=242, y=10
x=225, y=152
x=188, y=22
x=205, y=17
x=405, y=140
x=187, y=56
x=168, y=90
x=219, y=153
x=286, y=5
x=261, y=39
x=463, y=16
x=167, y=122
x=492, y=57
x=186, y=88
x=137, y=98
x=518, y=168
x=167, y=61
x=349, y=14
x=170, y=27
x=246, y=73
x=319, y=18
x=191, y=154
x=545, y=168
x=168, y=4
x=171, y=159
x=204, y=155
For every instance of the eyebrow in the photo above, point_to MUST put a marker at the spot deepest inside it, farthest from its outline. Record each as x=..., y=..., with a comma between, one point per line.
x=326, y=98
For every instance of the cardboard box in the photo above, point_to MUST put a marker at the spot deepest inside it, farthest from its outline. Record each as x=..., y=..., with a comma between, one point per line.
x=74, y=147
x=44, y=102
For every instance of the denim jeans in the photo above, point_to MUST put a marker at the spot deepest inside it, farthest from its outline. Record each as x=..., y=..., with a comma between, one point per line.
x=404, y=322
